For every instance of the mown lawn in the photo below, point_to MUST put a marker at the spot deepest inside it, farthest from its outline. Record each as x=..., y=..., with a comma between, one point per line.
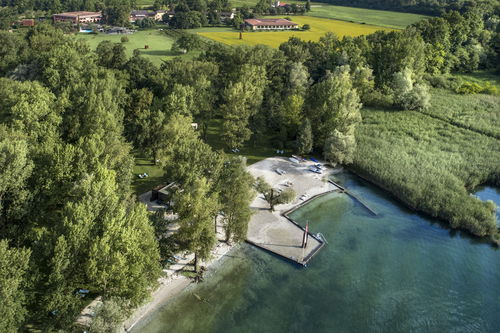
x=159, y=44
x=155, y=175
x=254, y=151
x=383, y=18
x=144, y=3
x=319, y=27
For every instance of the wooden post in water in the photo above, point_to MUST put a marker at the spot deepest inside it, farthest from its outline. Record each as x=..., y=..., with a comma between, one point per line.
x=306, y=236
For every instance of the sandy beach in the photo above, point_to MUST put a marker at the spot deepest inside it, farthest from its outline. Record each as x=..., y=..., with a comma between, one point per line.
x=173, y=282
x=304, y=182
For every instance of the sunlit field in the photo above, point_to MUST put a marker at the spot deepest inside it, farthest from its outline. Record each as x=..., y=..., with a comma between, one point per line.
x=159, y=44
x=384, y=18
x=319, y=27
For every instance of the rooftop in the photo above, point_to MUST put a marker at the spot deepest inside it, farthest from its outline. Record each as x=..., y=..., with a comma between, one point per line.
x=270, y=22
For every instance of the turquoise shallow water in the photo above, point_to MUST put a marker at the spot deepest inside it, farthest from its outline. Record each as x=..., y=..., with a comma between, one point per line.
x=397, y=272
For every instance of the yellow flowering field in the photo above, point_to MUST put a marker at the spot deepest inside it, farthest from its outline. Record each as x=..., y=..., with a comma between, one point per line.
x=319, y=27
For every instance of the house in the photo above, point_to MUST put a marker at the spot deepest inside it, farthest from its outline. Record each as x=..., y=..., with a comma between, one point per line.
x=78, y=17
x=159, y=15
x=226, y=16
x=137, y=15
x=279, y=4
x=270, y=24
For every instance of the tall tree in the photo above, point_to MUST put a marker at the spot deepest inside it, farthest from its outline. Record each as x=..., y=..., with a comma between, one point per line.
x=196, y=208
x=236, y=194
x=334, y=105
x=305, y=137
x=242, y=100
x=13, y=269
x=117, y=12
x=14, y=174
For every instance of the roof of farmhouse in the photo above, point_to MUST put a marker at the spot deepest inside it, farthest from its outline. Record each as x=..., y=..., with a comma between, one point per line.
x=75, y=14
x=270, y=22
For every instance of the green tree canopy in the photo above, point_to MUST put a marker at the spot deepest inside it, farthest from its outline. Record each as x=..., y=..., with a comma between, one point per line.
x=13, y=268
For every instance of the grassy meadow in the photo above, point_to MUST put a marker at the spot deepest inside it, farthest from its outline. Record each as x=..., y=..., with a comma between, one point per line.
x=155, y=175
x=159, y=44
x=253, y=151
x=319, y=27
x=396, y=20
x=383, y=18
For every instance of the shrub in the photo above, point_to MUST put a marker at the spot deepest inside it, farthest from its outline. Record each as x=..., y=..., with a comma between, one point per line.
x=407, y=95
x=440, y=81
x=378, y=98
x=418, y=98
x=470, y=88
x=124, y=39
x=306, y=27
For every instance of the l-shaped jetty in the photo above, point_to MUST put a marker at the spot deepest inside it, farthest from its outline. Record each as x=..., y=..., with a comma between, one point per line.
x=275, y=231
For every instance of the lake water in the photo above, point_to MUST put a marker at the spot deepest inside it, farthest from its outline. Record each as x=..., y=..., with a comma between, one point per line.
x=396, y=272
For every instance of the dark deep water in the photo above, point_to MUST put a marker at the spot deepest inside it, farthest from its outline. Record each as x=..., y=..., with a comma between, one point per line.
x=397, y=272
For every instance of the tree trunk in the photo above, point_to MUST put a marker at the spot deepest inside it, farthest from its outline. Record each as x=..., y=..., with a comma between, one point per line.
x=195, y=262
x=204, y=127
x=215, y=225
x=271, y=200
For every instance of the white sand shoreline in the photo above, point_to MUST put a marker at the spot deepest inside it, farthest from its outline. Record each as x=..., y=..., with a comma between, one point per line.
x=305, y=183
x=172, y=286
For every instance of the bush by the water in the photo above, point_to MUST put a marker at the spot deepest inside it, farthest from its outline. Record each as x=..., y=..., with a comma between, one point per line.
x=430, y=165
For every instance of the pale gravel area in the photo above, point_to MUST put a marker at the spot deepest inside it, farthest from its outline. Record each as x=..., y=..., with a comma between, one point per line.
x=272, y=231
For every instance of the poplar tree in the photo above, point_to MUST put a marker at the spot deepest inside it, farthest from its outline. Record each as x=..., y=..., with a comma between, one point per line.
x=13, y=269
x=236, y=194
x=305, y=137
x=334, y=106
x=242, y=100
x=196, y=207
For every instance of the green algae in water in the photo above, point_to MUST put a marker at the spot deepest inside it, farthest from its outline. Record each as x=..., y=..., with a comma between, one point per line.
x=396, y=272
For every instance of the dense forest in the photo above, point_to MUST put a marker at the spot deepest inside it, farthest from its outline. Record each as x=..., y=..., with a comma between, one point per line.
x=71, y=120
x=65, y=5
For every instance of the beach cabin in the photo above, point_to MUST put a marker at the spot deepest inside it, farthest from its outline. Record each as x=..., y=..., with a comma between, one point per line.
x=163, y=193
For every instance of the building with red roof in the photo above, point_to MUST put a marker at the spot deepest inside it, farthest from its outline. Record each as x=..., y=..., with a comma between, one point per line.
x=270, y=24
x=78, y=17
